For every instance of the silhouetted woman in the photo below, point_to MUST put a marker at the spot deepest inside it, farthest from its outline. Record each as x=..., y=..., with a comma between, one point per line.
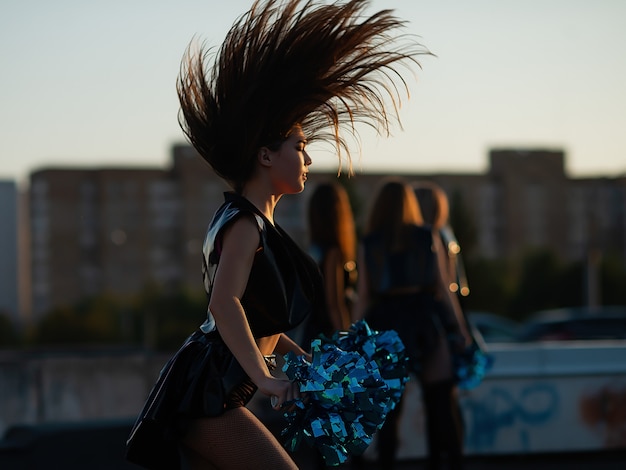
x=332, y=243
x=289, y=72
x=401, y=278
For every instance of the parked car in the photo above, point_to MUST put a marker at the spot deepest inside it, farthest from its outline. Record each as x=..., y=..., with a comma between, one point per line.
x=580, y=323
x=494, y=328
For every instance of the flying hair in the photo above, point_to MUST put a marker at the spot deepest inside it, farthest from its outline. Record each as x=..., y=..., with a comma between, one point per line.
x=323, y=67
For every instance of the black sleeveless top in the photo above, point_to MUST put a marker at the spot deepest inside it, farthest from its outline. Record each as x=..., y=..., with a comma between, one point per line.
x=411, y=267
x=285, y=284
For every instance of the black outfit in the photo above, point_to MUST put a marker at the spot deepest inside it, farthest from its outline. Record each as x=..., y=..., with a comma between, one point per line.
x=402, y=288
x=402, y=285
x=203, y=378
x=444, y=424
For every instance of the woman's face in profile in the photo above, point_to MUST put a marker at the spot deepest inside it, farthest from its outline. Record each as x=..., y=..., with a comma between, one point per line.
x=290, y=163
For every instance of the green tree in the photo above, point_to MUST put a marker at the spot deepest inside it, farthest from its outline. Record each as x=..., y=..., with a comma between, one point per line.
x=92, y=321
x=536, y=288
x=155, y=319
x=490, y=285
x=9, y=336
x=165, y=319
x=612, y=280
x=569, y=285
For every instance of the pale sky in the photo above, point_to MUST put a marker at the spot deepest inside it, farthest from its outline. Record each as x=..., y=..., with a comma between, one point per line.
x=92, y=83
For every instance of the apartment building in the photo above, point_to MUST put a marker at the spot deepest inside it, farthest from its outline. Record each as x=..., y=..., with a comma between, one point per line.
x=9, y=294
x=119, y=229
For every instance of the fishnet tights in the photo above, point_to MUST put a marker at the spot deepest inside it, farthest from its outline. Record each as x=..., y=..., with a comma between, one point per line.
x=235, y=440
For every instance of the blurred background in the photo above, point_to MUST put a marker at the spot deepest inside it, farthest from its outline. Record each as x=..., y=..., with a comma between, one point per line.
x=103, y=209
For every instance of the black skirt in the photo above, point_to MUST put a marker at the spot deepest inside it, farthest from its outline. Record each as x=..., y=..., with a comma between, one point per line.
x=202, y=379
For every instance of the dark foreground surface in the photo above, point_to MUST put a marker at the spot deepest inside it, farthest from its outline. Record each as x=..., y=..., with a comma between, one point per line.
x=100, y=446
x=606, y=460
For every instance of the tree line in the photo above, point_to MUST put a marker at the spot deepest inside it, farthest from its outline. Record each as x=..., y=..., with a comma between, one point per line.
x=156, y=319
x=159, y=319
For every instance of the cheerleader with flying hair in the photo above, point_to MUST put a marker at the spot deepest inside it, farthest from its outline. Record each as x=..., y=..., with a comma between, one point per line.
x=288, y=73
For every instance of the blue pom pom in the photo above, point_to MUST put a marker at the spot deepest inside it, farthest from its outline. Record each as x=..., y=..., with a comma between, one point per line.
x=352, y=382
x=471, y=367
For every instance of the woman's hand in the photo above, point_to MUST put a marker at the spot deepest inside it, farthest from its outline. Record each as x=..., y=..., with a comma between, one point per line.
x=284, y=391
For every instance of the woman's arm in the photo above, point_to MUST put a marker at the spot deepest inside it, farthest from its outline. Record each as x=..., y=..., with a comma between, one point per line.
x=239, y=245
x=363, y=294
x=453, y=310
x=285, y=344
x=335, y=287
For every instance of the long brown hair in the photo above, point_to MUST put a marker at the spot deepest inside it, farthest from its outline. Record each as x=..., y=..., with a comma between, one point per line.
x=288, y=62
x=331, y=221
x=394, y=207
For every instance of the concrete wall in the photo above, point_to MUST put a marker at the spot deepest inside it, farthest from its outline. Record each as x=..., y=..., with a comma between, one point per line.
x=74, y=387
x=540, y=397
x=544, y=397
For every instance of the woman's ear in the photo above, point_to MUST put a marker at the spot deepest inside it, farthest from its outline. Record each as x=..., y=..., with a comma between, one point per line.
x=264, y=157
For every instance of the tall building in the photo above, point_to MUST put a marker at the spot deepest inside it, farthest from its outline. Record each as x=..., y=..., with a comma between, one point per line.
x=118, y=230
x=9, y=300
x=518, y=204
x=524, y=201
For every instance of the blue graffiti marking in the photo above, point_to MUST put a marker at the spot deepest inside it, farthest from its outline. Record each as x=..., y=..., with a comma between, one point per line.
x=536, y=404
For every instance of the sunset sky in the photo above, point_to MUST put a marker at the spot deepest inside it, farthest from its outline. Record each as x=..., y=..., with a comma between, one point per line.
x=93, y=83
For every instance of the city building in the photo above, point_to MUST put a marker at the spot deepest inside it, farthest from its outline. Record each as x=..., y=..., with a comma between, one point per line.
x=118, y=230
x=9, y=294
